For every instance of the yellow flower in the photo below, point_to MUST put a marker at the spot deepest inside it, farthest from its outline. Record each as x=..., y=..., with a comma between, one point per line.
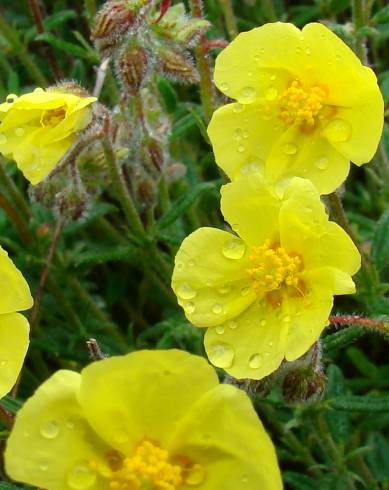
x=305, y=107
x=266, y=294
x=151, y=419
x=14, y=329
x=38, y=128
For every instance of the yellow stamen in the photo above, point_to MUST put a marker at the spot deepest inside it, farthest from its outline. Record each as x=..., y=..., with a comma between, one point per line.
x=52, y=117
x=301, y=105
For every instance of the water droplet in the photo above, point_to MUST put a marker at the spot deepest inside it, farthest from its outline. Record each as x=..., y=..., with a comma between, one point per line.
x=50, y=430
x=238, y=108
x=234, y=249
x=238, y=134
x=224, y=289
x=248, y=94
x=250, y=74
x=224, y=87
x=222, y=355
x=217, y=308
x=3, y=362
x=38, y=90
x=271, y=94
x=196, y=475
x=3, y=139
x=246, y=134
x=338, y=130
x=235, y=227
x=270, y=344
x=308, y=51
x=262, y=323
x=180, y=265
x=250, y=168
x=19, y=131
x=286, y=319
x=298, y=50
x=290, y=149
x=120, y=436
x=11, y=98
x=191, y=263
x=219, y=329
x=81, y=477
x=184, y=291
x=241, y=148
x=245, y=291
x=245, y=479
x=255, y=361
x=338, y=57
x=44, y=466
x=232, y=324
x=322, y=163
x=272, y=78
x=189, y=307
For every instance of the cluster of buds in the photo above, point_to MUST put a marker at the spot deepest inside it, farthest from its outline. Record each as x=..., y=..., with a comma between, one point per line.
x=142, y=39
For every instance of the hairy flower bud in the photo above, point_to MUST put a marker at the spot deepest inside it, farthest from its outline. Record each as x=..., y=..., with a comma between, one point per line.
x=177, y=66
x=154, y=153
x=304, y=384
x=132, y=67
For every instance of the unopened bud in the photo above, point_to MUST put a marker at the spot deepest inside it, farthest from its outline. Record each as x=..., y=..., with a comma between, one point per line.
x=154, y=153
x=303, y=384
x=175, y=171
x=132, y=67
x=177, y=66
x=146, y=191
x=69, y=87
x=72, y=203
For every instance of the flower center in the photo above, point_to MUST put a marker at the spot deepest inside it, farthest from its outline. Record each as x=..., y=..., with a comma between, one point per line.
x=148, y=468
x=301, y=105
x=273, y=267
x=52, y=117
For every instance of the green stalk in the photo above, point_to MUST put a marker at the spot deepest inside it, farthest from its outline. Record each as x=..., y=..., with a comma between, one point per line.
x=358, y=11
x=14, y=192
x=229, y=18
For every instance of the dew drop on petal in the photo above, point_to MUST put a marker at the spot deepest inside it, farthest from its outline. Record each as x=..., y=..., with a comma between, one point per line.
x=245, y=291
x=189, y=307
x=338, y=131
x=232, y=324
x=44, y=466
x=3, y=362
x=234, y=249
x=290, y=149
x=11, y=98
x=241, y=148
x=50, y=430
x=308, y=51
x=20, y=132
x=184, y=291
x=81, y=477
x=180, y=265
x=322, y=163
x=238, y=108
x=255, y=361
x=238, y=134
x=217, y=309
x=196, y=475
x=224, y=87
x=224, y=289
x=191, y=263
x=38, y=90
x=219, y=329
x=221, y=355
x=271, y=94
x=248, y=94
x=3, y=139
x=262, y=323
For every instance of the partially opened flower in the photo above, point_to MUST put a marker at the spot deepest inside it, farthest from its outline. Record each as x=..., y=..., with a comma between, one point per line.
x=38, y=128
x=266, y=294
x=148, y=420
x=306, y=105
x=14, y=328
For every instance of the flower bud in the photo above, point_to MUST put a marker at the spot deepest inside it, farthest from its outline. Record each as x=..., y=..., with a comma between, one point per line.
x=304, y=384
x=177, y=66
x=154, y=153
x=132, y=67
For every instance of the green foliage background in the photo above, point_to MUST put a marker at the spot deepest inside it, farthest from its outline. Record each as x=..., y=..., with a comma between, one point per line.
x=104, y=284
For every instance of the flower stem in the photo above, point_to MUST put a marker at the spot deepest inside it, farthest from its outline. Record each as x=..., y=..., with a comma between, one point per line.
x=380, y=326
x=16, y=218
x=14, y=192
x=207, y=91
x=358, y=10
x=229, y=17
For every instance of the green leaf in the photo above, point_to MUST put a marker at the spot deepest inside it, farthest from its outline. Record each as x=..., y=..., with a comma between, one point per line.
x=354, y=403
x=183, y=204
x=168, y=94
x=182, y=126
x=380, y=243
x=342, y=338
x=382, y=16
x=297, y=481
x=103, y=254
x=67, y=47
x=338, y=422
x=378, y=457
x=362, y=363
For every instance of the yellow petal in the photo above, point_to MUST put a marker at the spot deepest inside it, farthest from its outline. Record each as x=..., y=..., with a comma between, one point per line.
x=223, y=434
x=356, y=131
x=14, y=340
x=310, y=156
x=120, y=395
x=257, y=60
x=51, y=444
x=309, y=315
x=305, y=229
x=243, y=136
x=255, y=347
x=42, y=100
x=332, y=63
x=210, y=277
x=15, y=293
x=251, y=207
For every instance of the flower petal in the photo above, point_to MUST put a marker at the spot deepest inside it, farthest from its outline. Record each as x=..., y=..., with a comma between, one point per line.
x=210, y=277
x=244, y=70
x=120, y=395
x=50, y=438
x=15, y=293
x=308, y=156
x=223, y=434
x=14, y=340
x=251, y=207
x=305, y=229
x=255, y=347
x=243, y=136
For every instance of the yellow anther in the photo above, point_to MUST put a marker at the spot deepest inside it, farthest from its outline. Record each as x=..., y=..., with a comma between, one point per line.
x=148, y=467
x=273, y=267
x=300, y=104
x=52, y=117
